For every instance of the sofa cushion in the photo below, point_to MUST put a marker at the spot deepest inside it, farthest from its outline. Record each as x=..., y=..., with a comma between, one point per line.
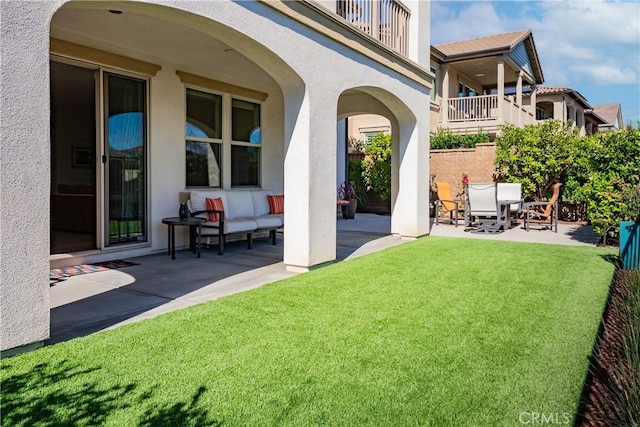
x=276, y=204
x=238, y=225
x=269, y=221
x=239, y=204
x=197, y=200
x=260, y=202
x=215, y=204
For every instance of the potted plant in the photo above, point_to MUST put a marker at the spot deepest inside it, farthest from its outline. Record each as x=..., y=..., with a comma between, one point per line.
x=630, y=229
x=347, y=191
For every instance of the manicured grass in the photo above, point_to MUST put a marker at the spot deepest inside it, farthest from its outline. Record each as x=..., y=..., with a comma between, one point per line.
x=433, y=332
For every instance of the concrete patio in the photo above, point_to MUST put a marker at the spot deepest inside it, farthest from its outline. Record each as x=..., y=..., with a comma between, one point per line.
x=84, y=304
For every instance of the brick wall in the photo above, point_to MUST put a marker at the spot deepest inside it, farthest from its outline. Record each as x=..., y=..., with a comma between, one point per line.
x=449, y=165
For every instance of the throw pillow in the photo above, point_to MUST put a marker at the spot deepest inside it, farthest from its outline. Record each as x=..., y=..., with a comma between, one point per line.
x=276, y=203
x=215, y=204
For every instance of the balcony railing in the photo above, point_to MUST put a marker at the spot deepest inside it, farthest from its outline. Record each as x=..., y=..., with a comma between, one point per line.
x=485, y=108
x=384, y=20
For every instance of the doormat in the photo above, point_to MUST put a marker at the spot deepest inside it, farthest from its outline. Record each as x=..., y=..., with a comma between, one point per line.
x=59, y=274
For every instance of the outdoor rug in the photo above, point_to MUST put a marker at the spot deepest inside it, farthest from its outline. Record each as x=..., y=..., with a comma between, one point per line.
x=59, y=274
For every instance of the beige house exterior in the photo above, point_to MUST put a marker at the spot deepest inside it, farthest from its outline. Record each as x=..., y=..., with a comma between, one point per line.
x=483, y=82
x=564, y=104
x=111, y=108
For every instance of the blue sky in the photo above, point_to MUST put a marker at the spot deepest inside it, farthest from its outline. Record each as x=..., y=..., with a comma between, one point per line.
x=590, y=46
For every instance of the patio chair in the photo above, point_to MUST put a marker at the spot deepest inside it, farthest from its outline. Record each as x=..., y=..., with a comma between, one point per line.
x=511, y=191
x=543, y=211
x=447, y=204
x=482, y=210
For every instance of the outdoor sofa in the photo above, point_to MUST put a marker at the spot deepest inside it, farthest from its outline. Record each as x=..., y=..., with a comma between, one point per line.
x=236, y=212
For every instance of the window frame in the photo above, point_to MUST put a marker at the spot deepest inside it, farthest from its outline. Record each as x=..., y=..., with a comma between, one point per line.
x=233, y=142
x=226, y=142
x=208, y=140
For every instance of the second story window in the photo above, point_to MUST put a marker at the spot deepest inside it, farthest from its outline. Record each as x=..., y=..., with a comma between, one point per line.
x=464, y=91
x=434, y=82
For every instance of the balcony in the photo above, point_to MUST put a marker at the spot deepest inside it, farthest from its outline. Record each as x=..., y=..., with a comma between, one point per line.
x=385, y=20
x=473, y=112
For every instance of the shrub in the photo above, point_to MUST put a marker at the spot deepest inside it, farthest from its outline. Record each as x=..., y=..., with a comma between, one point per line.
x=356, y=176
x=377, y=165
x=536, y=155
x=444, y=138
x=608, y=174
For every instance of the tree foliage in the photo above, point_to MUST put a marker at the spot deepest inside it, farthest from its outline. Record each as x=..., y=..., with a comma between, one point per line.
x=606, y=176
x=377, y=165
x=601, y=170
x=536, y=155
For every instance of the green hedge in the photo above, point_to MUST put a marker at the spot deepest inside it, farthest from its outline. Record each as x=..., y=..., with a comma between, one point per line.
x=445, y=139
x=601, y=170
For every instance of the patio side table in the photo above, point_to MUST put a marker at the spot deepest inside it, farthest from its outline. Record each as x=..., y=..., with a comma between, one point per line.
x=195, y=226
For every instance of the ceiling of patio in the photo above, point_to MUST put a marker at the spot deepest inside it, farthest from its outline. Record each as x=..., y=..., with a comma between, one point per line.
x=485, y=71
x=153, y=39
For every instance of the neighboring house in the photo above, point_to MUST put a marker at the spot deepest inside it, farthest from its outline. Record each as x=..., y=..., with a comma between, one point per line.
x=611, y=115
x=366, y=126
x=592, y=122
x=564, y=103
x=110, y=109
x=482, y=82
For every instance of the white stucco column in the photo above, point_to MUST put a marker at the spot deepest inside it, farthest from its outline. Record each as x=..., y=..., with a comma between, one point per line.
x=25, y=173
x=580, y=121
x=571, y=115
x=519, y=96
x=501, y=89
x=410, y=212
x=534, y=101
x=419, y=39
x=309, y=178
x=444, y=108
x=560, y=110
x=342, y=158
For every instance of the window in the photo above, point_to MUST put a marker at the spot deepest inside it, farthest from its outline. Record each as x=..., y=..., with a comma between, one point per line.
x=203, y=139
x=464, y=90
x=246, y=140
x=434, y=81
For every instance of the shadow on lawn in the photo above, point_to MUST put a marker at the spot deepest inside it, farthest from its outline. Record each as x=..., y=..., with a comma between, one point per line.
x=180, y=414
x=63, y=394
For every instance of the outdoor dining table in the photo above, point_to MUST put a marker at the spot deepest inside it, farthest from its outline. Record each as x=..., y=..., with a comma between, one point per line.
x=504, y=211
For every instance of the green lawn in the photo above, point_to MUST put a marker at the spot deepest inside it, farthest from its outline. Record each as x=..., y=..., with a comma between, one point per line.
x=433, y=332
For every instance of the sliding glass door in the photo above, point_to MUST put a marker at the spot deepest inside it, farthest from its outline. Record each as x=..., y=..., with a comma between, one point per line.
x=73, y=159
x=125, y=101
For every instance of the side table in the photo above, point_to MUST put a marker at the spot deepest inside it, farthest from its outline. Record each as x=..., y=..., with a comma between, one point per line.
x=195, y=226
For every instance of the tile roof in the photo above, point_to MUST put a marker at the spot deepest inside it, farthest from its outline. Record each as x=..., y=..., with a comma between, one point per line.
x=544, y=90
x=609, y=112
x=481, y=44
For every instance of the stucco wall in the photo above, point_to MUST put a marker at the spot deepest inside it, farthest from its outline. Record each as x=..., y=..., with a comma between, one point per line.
x=299, y=118
x=449, y=165
x=24, y=173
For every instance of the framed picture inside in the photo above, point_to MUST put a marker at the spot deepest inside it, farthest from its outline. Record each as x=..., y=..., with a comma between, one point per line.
x=82, y=157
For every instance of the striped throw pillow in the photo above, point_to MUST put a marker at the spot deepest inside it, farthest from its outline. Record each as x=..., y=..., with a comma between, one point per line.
x=215, y=204
x=276, y=203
